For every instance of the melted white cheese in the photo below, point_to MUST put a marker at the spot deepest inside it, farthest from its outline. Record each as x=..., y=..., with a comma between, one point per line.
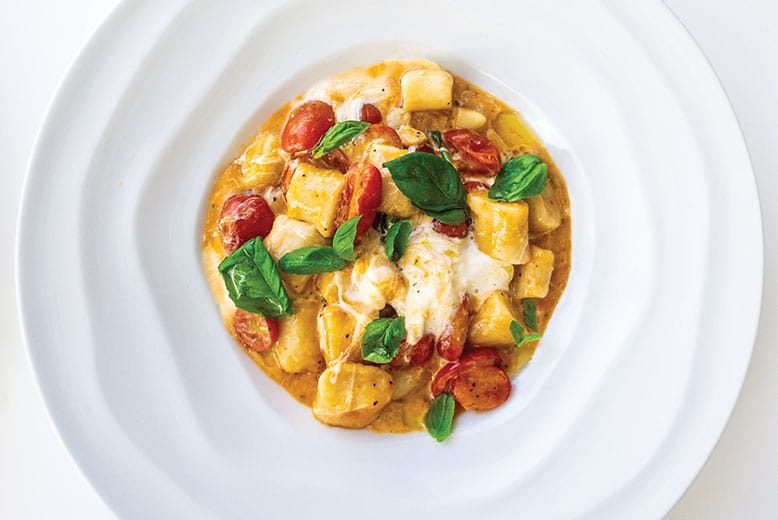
x=439, y=272
x=479, y=275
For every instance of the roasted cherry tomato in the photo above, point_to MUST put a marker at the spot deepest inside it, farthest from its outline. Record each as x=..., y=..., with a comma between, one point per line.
x=457, y=231
x=305, y=126
x=481, y=387
x=471, y=186
x=473, y=153
x=452, y=341
x=244, y=217
x=334, y=160
x=478, y=357
x=415, y=354
x=361, y=195
x=254, y=332
x=382, y=133
x=370, y=113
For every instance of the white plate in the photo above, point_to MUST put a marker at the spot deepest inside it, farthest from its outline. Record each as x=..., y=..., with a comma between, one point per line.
x=630, y=389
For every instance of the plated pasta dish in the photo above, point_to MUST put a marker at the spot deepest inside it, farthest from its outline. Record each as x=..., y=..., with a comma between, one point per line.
x=389, y=247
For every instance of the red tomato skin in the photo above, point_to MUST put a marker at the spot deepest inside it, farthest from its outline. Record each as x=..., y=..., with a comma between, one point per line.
x=361, y=195
x=425, y=148
x=473, y=153
x=334, y=160
x=243, y=217
x=457, y=231
x=478, y=357
x=382, y=133
x=481, y=356
x=481, y=388
x=452, y=342
x=305, y=126
x=370, y=113
x=415, y=354
x=471, y=186
x=255, y=332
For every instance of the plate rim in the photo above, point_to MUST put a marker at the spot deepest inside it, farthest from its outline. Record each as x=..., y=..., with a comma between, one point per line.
x=102, y=35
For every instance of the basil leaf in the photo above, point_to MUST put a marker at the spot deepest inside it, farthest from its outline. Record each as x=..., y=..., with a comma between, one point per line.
x=452, y=217
x=381, y=339
x=253, y=281
x=517, y=332
x=520, y=178
x=440, y=417
x=338, y=135
x=530, y=314
x=437, y=140
x=396, y=241
x=311, y=260
x=432, y=184
x=343, y=241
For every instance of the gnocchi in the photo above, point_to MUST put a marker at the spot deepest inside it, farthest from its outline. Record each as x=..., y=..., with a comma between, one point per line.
x=380, y=307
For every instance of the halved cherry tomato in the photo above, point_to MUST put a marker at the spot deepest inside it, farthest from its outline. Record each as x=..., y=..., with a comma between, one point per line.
x=473, y=153
x=471, y=186
x=361, y=195
x=477, y=357
x=243, y=217
x=452, y=341
x=334, y=160
x=370, y=113
x=481, y=387
x=415, y=354
x=254, y=332
x=481, y=356
x=305, y=126
x=457, y=231
x=383, y=134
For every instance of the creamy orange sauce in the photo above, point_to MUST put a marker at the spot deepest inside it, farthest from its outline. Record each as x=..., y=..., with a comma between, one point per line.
x=406, y=412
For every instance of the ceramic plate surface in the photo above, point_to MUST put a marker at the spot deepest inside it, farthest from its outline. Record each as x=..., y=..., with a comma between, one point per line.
x=625, y=398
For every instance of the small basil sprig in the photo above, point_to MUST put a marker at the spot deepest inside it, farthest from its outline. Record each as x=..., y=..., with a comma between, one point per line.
x=530, y=313
x=253, y=281
x=323, y=259
x=343, y=241
x=519, y=336
x=338, y=135
x=437, y=140
x=520, y=178
x=396, y=241
x=311, y=260
x=381, y=339
x=439, y=418
x=432, y=184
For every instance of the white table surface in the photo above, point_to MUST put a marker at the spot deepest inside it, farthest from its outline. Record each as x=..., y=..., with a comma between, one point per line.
x=40, y=38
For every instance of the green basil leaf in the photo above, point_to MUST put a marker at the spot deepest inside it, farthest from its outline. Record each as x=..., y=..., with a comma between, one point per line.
x=311, y=260
x=343, y=241
x=432, y=184
x=253, y=281
x=338, y=135
x=452, y=217
x=437, y=140
x=530, y=313
x=440, y=417
x=520, y=178
x=519, y=337
x=396, y=241
x=381, y=339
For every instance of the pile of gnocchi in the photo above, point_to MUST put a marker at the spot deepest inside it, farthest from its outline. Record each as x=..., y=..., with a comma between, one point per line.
x=390, y=247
